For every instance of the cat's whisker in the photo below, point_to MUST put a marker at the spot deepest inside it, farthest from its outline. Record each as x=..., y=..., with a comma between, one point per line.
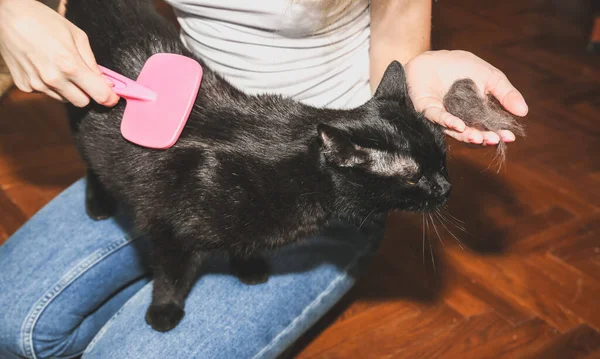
x=454, y=223
x=355, y=184
x=423, y=220
x=436, y=230
x=451, y=216
x=308, y=194
x=443, y=216
x=364, y=220
x=431, y=251
x=430, y=247
x=450, y=223
x=460, y=244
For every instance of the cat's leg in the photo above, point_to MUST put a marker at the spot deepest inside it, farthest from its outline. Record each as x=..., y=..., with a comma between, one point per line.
x=252, y=269
x=99, y=204
x=174, y=273
x=311, y=277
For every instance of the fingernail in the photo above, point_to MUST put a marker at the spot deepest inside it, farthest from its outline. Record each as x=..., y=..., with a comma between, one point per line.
x=508, y=137
x=523, y=109
x=113, y=100
x=475, y=139
x=522, y=105
x=492, y=141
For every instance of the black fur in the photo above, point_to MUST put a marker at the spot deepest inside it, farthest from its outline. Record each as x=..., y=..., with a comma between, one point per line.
x=249, y=173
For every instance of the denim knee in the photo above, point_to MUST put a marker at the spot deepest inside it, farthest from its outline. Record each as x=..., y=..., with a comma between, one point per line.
x=60, y=314
x=63, y=275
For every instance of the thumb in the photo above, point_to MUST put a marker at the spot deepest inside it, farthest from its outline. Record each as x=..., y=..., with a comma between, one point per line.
x=512, y=100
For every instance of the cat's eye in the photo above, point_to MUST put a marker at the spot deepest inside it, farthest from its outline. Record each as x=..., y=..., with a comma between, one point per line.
x=413, y=181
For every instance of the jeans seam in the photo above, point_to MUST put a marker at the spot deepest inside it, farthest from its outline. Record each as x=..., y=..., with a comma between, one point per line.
x=107, y=325
x=314, y=303
x=83, y=266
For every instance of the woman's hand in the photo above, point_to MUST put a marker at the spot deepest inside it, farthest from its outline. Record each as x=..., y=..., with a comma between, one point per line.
x=430, y=76
x=44, y=52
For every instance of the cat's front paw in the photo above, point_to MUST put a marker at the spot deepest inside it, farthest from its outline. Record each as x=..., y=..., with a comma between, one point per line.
x=98, y=208
x=251, y=271
x=164, y=317
x=254, y=278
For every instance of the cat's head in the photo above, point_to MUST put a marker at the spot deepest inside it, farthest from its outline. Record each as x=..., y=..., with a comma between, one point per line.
x=386, y=156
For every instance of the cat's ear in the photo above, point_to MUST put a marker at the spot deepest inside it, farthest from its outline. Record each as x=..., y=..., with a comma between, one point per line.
x=393, y=84
x=338, y=149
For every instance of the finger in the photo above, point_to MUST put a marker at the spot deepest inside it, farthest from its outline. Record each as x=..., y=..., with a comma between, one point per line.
x=95, y=85
x=499, y=86
x=22, y=83
x=18, y=74
x=507, y=136
x=85, y=50
x=456, y=135
x=55, y=95
x=38, y=85
x=59, y=87
x=90, y=82
x=73, y=94
x=490, y=138
x=469, y=135
x=434, y=111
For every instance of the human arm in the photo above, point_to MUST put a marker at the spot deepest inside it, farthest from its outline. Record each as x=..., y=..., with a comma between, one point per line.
x=44, y=52
x=430, y=76
x=401, y=30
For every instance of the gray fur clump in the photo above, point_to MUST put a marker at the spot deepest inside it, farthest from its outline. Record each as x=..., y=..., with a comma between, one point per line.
x=483, y=113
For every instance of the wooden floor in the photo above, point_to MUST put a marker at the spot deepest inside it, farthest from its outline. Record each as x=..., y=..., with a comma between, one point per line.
x=527, y=284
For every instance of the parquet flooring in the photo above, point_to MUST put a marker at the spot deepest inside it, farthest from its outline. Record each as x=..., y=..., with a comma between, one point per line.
x=526, y=284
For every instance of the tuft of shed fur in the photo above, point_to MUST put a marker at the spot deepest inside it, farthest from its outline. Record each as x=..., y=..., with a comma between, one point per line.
x=484, y=113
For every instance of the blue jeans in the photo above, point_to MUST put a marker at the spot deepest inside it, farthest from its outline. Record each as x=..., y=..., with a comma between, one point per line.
x=72, y=286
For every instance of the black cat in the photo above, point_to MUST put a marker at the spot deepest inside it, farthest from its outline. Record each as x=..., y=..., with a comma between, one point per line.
x=249, y=173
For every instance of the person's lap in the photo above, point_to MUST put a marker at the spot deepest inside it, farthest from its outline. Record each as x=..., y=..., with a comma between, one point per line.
x=66, y=281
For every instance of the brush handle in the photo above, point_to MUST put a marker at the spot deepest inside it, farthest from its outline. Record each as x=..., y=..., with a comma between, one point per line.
x=126, y=87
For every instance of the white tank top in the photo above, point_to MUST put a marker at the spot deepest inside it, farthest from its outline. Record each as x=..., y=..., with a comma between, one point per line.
x=282, y=47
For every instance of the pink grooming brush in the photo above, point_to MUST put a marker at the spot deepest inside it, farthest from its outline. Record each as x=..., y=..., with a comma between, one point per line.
x=159, y=102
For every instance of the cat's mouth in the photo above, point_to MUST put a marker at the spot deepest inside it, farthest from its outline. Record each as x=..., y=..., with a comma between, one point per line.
x=428, y=205
x=431, y=205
